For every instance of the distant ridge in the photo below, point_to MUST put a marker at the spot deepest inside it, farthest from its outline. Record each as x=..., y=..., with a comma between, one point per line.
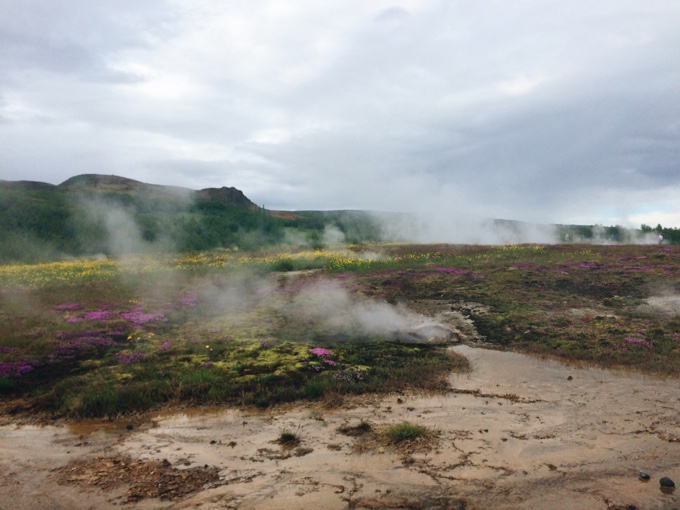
x=116, y=185
x=27, y=185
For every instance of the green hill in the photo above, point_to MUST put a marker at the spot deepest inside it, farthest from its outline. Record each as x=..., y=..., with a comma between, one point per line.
x=104, y=214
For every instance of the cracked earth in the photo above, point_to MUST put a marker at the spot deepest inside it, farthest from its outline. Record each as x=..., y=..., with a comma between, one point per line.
x=516, y=432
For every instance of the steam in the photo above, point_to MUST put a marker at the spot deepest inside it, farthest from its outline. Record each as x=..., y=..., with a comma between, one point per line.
x=469, y=229
x=463, y=229
x=333, y=237
x=315, y=304
x=113, y=230
x=329, y=304
x=124, y=236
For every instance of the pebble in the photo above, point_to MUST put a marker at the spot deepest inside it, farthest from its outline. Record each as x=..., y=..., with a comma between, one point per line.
x=667, y=482
x=643, y=476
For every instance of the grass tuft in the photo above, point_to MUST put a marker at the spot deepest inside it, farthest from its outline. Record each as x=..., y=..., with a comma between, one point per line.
x=288, y=438
x=406, y=432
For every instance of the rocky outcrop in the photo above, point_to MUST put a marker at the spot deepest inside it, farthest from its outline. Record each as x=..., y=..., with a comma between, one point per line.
x=230, y=196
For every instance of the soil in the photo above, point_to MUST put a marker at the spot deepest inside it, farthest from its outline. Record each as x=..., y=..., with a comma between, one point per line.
x=517, y=432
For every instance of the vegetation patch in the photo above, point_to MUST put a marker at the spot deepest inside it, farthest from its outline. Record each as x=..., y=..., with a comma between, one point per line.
x=364, y=427
x=289, y=438
x=107, y=338
x=404, y=438
x=406, y=432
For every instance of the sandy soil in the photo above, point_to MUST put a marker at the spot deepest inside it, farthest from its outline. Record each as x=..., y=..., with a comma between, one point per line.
x=517, y=432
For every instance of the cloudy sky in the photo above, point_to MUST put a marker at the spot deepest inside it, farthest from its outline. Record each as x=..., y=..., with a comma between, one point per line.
x=532, y=110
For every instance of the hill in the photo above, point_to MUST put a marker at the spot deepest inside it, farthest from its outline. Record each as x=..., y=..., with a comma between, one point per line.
x=91, y=214
x=113, y=185
x=94, y=214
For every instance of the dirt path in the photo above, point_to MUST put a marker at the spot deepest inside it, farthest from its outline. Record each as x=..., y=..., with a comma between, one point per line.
x=518, y=432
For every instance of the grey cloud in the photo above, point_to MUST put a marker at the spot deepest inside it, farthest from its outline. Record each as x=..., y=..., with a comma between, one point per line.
x=515, y=110
x=78, y=36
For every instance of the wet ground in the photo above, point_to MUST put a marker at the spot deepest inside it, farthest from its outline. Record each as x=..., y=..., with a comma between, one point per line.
x=517, y=432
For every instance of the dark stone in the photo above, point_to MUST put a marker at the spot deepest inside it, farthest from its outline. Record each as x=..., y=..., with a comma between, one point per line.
x=643, y=476
x=569, y=378
x=129, y=426
x=667, y=483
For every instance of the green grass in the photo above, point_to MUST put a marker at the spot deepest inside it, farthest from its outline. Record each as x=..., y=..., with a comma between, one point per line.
x=406, y=432
x=288, y=438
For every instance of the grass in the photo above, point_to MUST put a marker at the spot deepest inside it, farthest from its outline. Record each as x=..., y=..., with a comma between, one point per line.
x=288, y=438
x=406, y=432
x=86, y=339
x=404, y=437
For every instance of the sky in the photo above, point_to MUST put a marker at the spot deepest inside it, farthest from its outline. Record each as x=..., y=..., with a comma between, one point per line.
x=531, y=110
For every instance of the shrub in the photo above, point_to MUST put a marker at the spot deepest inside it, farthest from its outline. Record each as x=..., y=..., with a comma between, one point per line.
x=406, y=432
x=288, y=438
x=283, y=265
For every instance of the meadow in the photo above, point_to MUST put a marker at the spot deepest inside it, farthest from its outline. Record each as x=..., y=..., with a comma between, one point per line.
x=107, y=337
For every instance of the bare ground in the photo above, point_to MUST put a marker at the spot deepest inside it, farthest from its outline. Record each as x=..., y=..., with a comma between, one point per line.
x=517, y=432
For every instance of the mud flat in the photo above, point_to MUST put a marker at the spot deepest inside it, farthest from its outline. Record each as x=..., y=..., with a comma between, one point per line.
x=517, y=432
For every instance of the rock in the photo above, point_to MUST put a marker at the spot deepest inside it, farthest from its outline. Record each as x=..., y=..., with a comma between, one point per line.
x=667, y=483
x=129, y=426
x=643, y=476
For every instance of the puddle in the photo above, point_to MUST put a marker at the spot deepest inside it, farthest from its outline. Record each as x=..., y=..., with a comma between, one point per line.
x=518, y=432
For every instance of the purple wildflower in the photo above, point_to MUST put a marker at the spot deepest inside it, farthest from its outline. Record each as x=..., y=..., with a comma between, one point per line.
x=78, y=345
x=320, y=351
x=639, y=341
x=165, y=346
x=208, y=364
x=102, y=315
x=189, y=299
x=15, y=368
x=451, y=270
x=68, y=307
x=130, y=358
x=7, y=350
x=137, y=317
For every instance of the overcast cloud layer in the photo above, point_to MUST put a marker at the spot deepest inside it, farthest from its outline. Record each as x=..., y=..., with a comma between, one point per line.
x=532, y=110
